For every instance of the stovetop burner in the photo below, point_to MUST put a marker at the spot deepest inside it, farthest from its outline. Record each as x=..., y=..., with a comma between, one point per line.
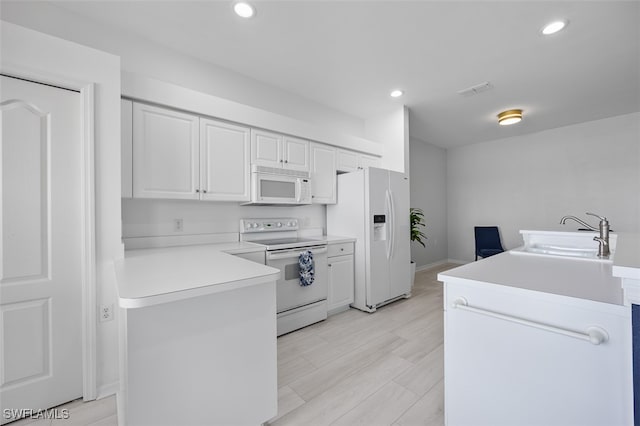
x=276, y=234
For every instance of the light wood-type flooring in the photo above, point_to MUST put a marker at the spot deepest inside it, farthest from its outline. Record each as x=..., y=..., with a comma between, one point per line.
x=384, y=368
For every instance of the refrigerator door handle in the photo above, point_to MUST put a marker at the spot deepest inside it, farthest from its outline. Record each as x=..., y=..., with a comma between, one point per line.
x=392, y=225
x=388, y=223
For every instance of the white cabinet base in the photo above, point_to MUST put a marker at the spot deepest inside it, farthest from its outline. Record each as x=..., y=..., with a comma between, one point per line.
x=503, y=372
x=205, y=360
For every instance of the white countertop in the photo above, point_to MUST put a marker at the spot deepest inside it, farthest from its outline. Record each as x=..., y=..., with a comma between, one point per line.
x=626, y=262
x=559, y=276
x=335, y=239
x=149, y=277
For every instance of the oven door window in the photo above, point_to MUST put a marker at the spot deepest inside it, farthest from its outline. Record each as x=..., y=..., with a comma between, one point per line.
x=277, y=189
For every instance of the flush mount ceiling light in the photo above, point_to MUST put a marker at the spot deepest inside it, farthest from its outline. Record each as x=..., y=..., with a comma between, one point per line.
x=243, y=9
x=554, y=27
x=511, y=116
x=396, y=93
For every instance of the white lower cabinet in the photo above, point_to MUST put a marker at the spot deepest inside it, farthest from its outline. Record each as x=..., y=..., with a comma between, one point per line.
x=341, y=277
x=516, y=357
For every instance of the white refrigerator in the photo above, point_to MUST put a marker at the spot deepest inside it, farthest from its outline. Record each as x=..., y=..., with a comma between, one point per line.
x=373, y=207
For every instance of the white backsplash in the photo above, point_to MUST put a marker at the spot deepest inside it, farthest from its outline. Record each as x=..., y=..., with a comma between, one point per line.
x=150, y=218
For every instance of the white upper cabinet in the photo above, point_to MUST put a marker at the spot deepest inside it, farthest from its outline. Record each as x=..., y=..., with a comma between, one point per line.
x=181, y=156
x=347, y=161
x=323, y=174
x=295, y=154
x=266, y=148
x=165, y=153
x=275, y=150
x=126, y=147
x=350, y=161
x=224, y=161
x=367, y=161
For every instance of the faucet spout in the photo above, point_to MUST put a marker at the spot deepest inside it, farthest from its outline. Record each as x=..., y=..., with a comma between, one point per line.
x=581, y=222
x=603, y=227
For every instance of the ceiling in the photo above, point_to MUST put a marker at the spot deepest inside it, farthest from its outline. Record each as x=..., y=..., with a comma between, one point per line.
x=349, y=55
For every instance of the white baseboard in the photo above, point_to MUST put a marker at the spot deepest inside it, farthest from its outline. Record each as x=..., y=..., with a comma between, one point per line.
x=459, y=262
x=108, y=390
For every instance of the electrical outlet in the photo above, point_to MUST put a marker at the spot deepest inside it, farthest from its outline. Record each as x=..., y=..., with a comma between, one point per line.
x=106, y=313
x=178, y=225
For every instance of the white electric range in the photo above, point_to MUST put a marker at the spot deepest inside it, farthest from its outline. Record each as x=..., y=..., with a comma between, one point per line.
x=297, y=305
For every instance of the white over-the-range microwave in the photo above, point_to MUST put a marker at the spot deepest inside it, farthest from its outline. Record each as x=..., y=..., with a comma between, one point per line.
x=273, y=186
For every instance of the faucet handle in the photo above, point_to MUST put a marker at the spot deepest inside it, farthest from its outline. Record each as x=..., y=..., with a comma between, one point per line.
x=603, y=219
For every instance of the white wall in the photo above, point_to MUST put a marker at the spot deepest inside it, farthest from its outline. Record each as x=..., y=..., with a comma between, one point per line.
x=147, y=218
x=531, y=181
x=428, y=192
x=40, y=53
x=149, y=59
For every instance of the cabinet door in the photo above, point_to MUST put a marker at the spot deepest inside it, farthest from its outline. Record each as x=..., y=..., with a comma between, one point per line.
x=224, y=161
x=341, y=283
x=323, y=174
x=367, y=161
x=266, y=148
x=572, y=381
x=165, y=153
x=126, y=148
x=296, y=154
x=347, y=161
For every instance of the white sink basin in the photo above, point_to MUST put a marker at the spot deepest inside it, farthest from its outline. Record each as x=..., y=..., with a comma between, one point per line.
x=583, y=253
x=567, y=245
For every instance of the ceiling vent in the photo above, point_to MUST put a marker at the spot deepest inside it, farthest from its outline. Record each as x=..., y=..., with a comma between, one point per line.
x=474, y=90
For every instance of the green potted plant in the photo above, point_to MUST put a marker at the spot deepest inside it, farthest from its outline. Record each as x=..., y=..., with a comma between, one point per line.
x=416, y=217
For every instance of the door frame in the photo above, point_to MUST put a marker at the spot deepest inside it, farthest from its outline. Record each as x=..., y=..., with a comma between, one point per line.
x=88, y=252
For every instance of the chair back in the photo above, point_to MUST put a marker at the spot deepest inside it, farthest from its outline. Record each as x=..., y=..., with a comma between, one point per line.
x=487, y=237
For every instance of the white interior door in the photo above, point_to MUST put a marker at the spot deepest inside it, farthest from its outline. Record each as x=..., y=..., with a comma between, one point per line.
x=41, y=251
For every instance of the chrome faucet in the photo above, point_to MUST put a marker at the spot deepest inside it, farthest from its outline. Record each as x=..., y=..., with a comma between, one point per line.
x=603, y=227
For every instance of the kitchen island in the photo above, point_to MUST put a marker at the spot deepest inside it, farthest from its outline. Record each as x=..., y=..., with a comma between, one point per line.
x=535, y=340
x=197, y=334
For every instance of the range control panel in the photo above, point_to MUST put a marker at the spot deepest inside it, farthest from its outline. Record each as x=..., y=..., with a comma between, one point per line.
x=268, y=225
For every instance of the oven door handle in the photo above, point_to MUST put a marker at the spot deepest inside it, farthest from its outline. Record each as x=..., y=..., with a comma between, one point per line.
x=290, y=254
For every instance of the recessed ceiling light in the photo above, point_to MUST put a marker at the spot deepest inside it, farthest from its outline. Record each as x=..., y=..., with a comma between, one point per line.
x=243, y=9
x=554, y=27
x=508, y=117
x=396, y=93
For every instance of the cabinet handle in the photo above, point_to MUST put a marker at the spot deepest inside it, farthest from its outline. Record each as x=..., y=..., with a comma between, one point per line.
x=281, y=160
x=286, y=161
x=204, y=190
x=197, y=190
x=329, y=265
x=342, y=249
x=593, y=335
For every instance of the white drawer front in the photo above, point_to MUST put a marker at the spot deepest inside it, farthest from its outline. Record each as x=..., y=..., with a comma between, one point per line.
x=340, y=249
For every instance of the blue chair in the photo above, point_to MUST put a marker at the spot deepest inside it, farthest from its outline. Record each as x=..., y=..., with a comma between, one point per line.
x=487, y=241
